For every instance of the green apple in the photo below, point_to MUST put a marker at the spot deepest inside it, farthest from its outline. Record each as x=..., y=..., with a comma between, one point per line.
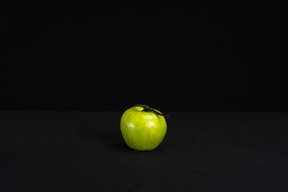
x=143, y=128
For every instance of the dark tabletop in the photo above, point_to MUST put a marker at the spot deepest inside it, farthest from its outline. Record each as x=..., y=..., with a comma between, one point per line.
x=202, y=151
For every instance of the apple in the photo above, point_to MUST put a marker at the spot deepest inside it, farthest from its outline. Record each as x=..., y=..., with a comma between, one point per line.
x=143, y=128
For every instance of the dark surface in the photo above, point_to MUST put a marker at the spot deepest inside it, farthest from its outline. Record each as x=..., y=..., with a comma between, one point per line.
x=84, y=151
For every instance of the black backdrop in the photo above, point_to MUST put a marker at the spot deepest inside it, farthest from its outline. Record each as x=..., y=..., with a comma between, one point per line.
x=77, y=60
x=63, y=58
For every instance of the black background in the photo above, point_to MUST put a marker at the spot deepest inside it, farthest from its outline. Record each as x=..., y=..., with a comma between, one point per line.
x=69, y=72
x=77, y=59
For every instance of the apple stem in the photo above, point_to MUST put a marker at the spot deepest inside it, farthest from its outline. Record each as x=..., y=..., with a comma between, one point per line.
x=148, y=109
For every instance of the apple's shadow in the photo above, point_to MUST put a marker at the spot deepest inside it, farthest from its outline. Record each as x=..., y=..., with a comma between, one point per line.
x=113, y=142
x=120, y=147
x=116, y=143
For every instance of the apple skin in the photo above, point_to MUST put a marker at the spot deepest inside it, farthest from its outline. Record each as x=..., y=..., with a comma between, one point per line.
x=142, y=131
